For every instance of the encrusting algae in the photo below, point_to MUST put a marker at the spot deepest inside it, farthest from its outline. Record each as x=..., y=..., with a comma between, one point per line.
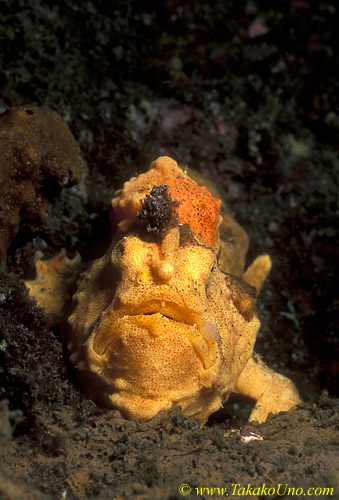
x=38, y=156
x=167, y=316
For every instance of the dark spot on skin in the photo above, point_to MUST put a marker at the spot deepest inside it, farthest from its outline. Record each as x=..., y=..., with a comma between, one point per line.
x=243, y=296
x=157, y=210
x=186, y=236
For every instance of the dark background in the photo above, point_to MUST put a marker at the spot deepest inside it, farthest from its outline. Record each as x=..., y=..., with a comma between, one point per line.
x=244, y=92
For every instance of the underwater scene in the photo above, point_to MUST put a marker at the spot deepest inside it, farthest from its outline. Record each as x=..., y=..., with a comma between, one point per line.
x=169, y=181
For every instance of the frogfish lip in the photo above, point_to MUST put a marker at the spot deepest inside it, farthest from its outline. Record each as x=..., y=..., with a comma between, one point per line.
x=167, y=309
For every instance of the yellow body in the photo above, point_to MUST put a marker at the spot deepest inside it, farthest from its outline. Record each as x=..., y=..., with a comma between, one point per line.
x=162, y=322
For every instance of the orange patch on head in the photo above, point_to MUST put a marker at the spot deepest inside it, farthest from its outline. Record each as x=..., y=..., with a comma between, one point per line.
x=197, y=207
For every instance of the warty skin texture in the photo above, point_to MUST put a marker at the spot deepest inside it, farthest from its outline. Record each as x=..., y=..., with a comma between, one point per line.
x=162, y=322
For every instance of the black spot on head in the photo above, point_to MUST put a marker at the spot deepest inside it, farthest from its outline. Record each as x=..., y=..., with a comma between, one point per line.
x=157, y=210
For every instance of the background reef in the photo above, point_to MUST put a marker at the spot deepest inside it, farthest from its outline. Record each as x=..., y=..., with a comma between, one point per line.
x=244, y=92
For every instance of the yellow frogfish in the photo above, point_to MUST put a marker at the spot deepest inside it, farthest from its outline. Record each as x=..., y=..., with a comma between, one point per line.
x=167, y=317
